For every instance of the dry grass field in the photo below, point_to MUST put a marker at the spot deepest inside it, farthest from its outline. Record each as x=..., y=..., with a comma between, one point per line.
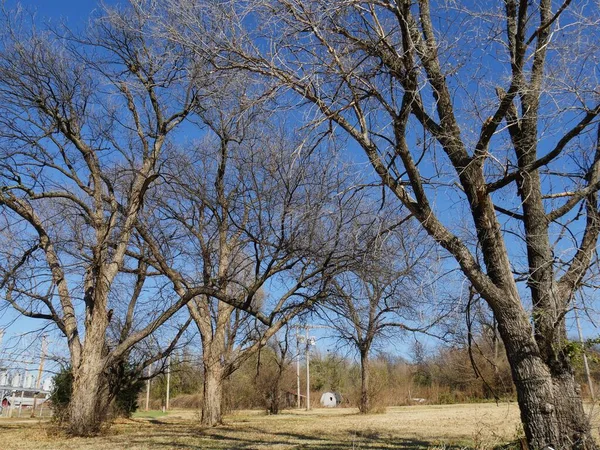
x=413, y=427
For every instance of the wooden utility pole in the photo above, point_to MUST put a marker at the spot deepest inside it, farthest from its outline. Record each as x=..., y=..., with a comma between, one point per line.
x=38, y=381
x=42, y=360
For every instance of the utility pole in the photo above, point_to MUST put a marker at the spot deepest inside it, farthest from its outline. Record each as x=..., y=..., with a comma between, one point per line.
x=298, y=368
x=42, y=360
x=308, y=341
x=148, y=388
x=585, y=360
x=168, y=382
x=307, y=370
x=40, y=372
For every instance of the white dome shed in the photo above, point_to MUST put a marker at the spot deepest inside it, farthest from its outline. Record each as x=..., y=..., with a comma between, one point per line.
x=329, y=400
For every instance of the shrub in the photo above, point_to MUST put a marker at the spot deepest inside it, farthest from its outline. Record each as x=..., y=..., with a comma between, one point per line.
x=124, y=387
x=61, y=394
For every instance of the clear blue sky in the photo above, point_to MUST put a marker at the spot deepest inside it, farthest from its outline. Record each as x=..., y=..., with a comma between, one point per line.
x=76, y=13
x=71, y=10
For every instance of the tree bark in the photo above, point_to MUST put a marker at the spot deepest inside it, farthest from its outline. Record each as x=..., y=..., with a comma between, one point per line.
x=213, y=394
x=365, y=399
x=549, y=399
x=275, y=395
x=88, y=406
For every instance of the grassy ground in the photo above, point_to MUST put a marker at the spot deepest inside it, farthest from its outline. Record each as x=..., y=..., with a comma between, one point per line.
x=407, y=428
x=148, y=414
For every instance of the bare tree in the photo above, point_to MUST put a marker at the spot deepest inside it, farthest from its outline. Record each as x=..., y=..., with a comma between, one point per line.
x=83, y=122
x=252, y=213
x=273, y=363
x=490, y=108
x=383, y=292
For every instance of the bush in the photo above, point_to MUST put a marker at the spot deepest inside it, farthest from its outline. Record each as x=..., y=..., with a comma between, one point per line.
x=61, y=394
x=124, y=387
x=187, y=401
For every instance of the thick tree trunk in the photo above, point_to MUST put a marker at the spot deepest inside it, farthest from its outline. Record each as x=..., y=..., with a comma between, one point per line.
x=551, y=408
x=549, y=400
x=89, y=405
x=89, y=402
x=572, y=419
x=213, y=394
x=365, y=401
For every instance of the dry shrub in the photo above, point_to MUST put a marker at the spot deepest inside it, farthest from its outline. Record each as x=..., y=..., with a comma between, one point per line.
x=187, y=401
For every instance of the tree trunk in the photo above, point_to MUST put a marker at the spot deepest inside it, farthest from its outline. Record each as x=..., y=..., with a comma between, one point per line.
x=572, y=420
x=213, y=394
x=275, y=395
x=365, y=401
x=89, y=402
x=88, y=405
x=549, y=400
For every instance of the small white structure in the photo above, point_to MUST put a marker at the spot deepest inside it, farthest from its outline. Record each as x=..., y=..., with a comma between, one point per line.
x=329, y=400
x=48, y=384
x=29, y=380
x=16, y=380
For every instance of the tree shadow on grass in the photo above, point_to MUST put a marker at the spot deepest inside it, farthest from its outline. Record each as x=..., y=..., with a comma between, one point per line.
x=159, y=435
x=238, y=439
x=247, y=437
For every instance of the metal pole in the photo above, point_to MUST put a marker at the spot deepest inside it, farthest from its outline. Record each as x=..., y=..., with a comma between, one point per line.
x=168, y=382
x=307, y=372
x=298, y=368
x=585, y=361
x=148, y=389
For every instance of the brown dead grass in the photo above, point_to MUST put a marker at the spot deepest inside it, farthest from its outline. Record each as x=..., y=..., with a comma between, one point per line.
x=410, y=427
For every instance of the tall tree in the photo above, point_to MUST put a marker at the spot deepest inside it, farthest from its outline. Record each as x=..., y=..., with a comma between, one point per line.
x=255, y=213
x=492, y=108
x=83, y=122
x=383, y=292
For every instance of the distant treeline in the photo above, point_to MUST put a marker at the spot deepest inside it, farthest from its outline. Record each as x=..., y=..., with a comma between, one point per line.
x=447, y=374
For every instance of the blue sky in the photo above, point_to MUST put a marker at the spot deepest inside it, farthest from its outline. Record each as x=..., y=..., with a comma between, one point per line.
x=72, y=10
x=76, y=12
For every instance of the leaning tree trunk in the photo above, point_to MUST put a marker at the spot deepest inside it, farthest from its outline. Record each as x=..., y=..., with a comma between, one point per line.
x=365, y=399
x=213, y=393
x=549, y=399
